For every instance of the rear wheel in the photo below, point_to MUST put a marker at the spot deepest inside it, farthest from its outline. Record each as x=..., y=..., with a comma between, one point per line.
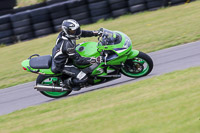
x=47, y=80
x=139, y=66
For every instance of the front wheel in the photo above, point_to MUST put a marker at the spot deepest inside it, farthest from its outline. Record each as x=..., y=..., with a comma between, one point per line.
x=48, y=80
x=139, y=66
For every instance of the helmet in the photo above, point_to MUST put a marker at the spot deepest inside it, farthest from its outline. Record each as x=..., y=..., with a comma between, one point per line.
x=71, y=28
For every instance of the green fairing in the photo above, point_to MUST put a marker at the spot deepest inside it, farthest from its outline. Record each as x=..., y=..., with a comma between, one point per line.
x=89, y=49
x=93, y=49
x=25, y=64
x=46, y=71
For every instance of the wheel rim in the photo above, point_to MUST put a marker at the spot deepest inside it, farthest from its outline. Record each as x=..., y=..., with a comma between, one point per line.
x=136, y=67
x=51, y=81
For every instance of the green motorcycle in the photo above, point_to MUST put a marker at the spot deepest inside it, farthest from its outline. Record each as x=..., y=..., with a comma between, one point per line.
x=118, y=58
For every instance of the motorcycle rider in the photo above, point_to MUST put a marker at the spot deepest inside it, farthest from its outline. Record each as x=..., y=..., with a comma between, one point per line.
x=64, y=53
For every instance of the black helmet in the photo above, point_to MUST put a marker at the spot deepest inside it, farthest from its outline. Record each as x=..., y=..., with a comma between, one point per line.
x=71, y=28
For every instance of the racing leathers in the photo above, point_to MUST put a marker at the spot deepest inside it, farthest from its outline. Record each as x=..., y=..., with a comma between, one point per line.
x=64, y=53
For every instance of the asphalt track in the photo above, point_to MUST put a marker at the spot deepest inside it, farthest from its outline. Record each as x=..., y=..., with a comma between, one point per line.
x=167, y=60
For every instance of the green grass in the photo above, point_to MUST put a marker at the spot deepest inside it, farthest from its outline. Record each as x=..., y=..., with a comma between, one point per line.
x=149, y=31
x=163, y=104
x=22, y=3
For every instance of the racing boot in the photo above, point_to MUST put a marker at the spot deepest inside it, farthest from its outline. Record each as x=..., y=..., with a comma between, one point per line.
x=69, y=83
x=75, y=84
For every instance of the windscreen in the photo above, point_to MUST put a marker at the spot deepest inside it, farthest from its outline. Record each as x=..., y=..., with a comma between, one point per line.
x=110, y=37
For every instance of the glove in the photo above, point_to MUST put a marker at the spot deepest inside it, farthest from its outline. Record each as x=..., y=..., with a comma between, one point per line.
x=96, y=60
x=97, y=33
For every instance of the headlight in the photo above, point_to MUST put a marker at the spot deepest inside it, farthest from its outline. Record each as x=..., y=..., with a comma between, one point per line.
x=127, y=43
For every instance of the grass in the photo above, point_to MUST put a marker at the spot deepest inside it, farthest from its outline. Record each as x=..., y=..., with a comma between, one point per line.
x=163, y=104
x=22, y=3
x=149, y=31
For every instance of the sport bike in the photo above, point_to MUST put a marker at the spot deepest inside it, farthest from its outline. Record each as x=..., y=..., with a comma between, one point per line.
x=118, y=56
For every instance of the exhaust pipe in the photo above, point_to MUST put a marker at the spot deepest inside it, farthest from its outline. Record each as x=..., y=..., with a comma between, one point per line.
x=40, y=87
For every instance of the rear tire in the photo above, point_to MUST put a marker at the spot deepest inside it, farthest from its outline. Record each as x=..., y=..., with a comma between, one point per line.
x=41, y=79
x=139, y=66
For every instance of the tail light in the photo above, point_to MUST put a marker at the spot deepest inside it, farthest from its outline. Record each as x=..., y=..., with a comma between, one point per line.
x=24, y=68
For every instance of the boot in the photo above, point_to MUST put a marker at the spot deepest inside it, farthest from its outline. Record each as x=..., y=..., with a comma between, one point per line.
x=70, y=84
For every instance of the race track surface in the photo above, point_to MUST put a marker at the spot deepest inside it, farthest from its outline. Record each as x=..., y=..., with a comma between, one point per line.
x=167, y=60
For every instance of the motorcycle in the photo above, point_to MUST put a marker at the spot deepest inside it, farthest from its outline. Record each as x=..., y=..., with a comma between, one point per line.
x=118, y=58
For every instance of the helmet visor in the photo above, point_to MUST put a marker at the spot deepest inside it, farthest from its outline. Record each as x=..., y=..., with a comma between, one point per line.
x=74, y=32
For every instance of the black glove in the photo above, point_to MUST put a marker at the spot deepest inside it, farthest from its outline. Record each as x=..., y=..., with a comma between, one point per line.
x=96, y=60
x=97, y=33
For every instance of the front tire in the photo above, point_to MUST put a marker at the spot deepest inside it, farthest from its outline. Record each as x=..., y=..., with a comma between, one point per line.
x=139, y=66
x=48, y=80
